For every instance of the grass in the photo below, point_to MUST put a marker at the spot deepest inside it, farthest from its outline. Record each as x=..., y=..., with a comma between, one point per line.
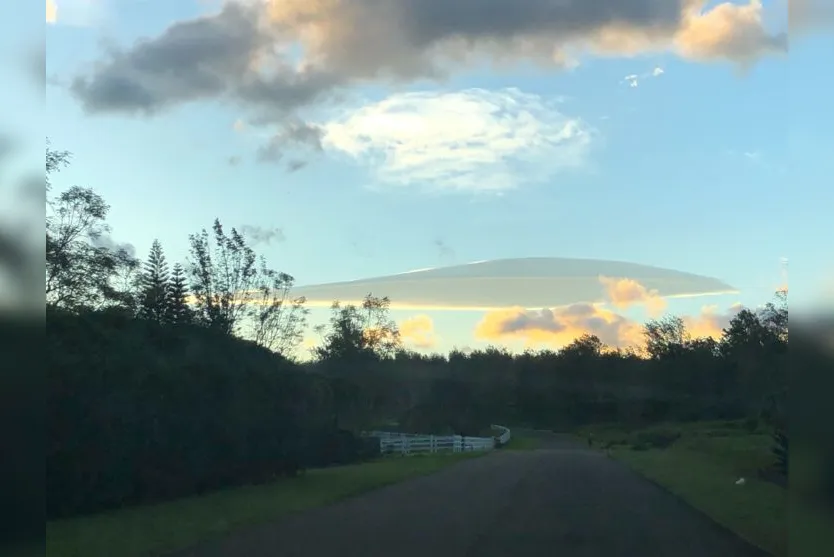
x=161, y=528
x=701, y=465
x=521, y=443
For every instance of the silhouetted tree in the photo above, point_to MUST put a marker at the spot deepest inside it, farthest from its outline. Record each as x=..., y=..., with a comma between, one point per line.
x=177, y=310
x=359, y=334
x=223, y=277
x=79, y=272
x=665, y=337
x=278, y=319
x=155, y=284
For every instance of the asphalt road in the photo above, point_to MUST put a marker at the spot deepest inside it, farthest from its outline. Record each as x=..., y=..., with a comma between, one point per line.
x=562, y=500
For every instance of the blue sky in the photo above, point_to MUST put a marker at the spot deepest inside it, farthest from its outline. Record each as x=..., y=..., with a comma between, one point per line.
x=710, y=164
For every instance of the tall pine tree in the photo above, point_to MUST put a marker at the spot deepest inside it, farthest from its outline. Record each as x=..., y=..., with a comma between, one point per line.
x=154, y=283
x=177, y=310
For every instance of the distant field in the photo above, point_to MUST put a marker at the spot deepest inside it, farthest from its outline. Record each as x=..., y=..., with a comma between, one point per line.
x=156, y=529
x=700, y=463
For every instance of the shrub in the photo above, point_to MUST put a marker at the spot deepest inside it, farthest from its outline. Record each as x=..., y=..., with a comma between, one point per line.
x=656, y=437
x=780, y=451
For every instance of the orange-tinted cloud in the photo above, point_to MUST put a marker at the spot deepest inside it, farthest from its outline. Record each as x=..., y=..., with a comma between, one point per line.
x=728, y=31
x=710, y=322
x=418, y=332
x=625, y=292
x=560, y=326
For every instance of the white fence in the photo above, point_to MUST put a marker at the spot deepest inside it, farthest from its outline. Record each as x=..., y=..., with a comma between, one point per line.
x=411, y=443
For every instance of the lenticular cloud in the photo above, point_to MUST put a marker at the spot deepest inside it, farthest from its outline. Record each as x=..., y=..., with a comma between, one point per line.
x=527, y=283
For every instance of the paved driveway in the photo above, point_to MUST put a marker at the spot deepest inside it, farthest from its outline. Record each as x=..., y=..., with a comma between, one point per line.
x=562, y=500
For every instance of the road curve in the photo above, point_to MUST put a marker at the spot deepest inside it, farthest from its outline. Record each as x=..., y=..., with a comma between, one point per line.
x=562, y=500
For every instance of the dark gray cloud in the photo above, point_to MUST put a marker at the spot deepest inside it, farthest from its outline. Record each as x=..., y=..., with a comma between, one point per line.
x=107, y=241
x=294, y=135
x=196, y=59
x=233, y=54
x=295, y=165
x=527, y=283
x=263, y=235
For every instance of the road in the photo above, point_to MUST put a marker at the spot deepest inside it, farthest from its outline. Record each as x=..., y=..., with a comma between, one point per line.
x=562, y=500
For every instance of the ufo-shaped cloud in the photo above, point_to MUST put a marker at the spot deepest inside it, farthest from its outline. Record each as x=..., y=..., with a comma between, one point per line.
x=530, y=283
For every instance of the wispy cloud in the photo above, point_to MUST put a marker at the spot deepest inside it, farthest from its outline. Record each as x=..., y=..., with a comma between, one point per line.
x=262, y=234
x=634, y=80
x=472, y=140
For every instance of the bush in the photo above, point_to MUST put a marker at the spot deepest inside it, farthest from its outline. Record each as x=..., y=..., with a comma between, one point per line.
x=140, y=413
x=656, y=437
x=780, y=451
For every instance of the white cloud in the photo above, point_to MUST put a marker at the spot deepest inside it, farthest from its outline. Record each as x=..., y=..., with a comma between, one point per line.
x=633, y=80
x=467, y=141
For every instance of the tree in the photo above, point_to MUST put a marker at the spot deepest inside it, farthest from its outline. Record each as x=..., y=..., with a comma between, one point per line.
x=774, y=316
x=177, y=311
x=586, y=346
x=666, y=337
x=155, y=284
x=359, y=334
x=224, y=278
x=79, y=273
x=278, y=320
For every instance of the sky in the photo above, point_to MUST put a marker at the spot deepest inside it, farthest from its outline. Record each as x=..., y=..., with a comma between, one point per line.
x=355, y=138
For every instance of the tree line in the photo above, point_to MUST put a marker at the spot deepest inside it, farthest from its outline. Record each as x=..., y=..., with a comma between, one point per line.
x=169, y=380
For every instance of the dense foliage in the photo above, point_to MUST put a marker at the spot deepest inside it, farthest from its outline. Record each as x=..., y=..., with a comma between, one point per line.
x=166, y=380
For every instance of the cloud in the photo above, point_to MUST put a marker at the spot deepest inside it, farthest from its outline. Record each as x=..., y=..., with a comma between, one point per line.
x=263, y=235
x=294, y=134
x=444, y=250
x=471, y=140
x=727, y=32
x=633, y=80
x=625, y=292
x=51, y=11
x=275, y=56
x=295, y=165
x=810, y=15
x=234, y=160
x=107, y=241
x=532, y=283
x=418, y=332
x=560, y=326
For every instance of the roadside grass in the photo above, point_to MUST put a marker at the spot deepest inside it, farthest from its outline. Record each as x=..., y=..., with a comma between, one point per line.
x=521, y=443
x=153, y=530
x=700, y=463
